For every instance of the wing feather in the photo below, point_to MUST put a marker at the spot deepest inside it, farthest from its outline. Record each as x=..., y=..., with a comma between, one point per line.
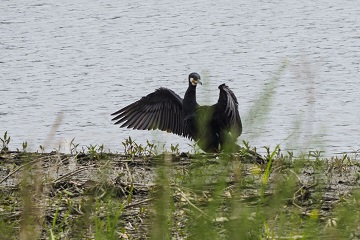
x=155, y=122
x=227, y=111
x=161, y=109
x=145, y=125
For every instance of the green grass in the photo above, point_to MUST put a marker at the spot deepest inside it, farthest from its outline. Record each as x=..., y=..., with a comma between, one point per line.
x=223, y=198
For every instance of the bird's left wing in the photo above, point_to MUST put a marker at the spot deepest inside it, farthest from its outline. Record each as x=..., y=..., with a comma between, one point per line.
x=226, y=110
x=161, y=109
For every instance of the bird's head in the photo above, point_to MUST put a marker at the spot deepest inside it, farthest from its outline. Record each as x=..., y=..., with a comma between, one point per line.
x=194, y=79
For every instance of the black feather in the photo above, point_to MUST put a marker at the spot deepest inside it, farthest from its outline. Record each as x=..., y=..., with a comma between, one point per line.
x=212, y=126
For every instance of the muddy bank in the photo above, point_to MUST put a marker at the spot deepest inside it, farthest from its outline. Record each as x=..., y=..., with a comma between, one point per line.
x=76, y=196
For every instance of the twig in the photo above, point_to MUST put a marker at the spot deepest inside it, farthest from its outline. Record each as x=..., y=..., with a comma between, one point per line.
x=296, y=175
x=71, y=173
x=137, y=203
x=18, y=169
x=201, y=211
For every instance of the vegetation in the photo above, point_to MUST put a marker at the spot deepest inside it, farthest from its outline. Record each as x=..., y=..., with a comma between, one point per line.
x=94, y=194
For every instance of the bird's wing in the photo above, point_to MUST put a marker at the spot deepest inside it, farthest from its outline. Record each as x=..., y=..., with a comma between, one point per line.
x=226, y=110
x=161, y=109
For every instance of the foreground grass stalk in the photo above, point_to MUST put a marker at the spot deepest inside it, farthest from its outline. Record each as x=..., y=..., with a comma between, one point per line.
x=31, y=220
x=161, y=222
x=267, y=172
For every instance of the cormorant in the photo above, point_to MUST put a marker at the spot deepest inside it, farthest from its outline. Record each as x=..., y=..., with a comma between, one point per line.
x=215, y=127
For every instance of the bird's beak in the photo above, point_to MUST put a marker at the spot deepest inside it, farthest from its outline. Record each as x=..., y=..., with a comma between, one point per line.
x=198, y=81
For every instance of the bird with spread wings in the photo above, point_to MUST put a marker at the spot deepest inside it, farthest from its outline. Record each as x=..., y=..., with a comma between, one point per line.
x=215, y=127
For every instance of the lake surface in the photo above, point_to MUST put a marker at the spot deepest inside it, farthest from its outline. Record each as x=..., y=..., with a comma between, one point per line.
x=87, y=59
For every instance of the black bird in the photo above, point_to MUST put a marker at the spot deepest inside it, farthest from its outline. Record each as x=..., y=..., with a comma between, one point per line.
x=215, y=127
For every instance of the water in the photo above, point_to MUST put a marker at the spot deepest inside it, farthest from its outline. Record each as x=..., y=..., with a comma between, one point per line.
x=87, y=59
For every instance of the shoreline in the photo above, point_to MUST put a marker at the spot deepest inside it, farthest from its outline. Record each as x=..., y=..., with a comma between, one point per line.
x=71, y=187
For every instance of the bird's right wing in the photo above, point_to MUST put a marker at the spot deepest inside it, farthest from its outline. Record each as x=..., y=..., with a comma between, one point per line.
x=227, y=111
x=161, y=109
